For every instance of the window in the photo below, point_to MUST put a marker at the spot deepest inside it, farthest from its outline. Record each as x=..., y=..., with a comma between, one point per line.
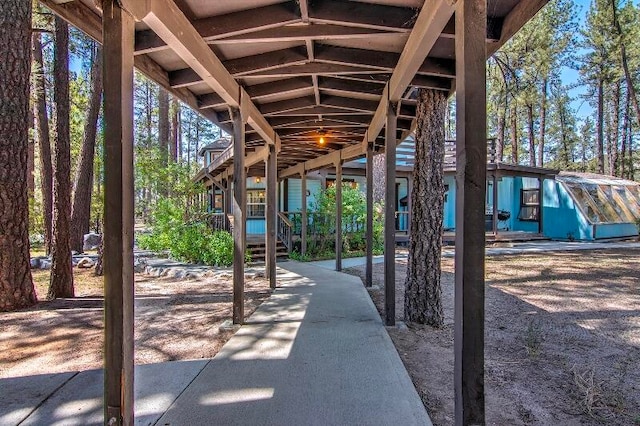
x=529, y=204
x=256, y=203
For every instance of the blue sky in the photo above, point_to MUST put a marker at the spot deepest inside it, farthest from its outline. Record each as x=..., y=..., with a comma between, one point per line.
x=571, y=76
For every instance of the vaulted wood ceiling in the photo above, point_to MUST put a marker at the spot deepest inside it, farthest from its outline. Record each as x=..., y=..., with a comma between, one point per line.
x=311, y=68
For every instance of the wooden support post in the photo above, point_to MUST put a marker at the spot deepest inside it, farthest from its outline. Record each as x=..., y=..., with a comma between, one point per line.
x=239, y=206
x=272, y=212
x=369, y=267
x=540, y=204
x=228, y=197
x=471, y=165
x=303, y=227
x=285, y=195
x=118, y=30
x=338, y=216
x=495, y=204
x=390, y=217
x=409, y=201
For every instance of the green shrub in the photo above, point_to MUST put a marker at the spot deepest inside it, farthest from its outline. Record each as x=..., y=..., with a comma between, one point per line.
x=192, y=241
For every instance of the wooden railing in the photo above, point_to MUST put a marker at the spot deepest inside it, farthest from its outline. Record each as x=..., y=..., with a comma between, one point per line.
x=323, y=223
x=402, y=221
x=284, y=230
x=219, y=222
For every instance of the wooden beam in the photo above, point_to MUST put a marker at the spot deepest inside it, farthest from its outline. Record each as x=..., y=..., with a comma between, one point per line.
x=303, y=227
x=432, y=19
x=272, y=212
x=228, y=25
x=522, y=12
x=316, y=32
x=369, y=233
x=347, y=86
x=286, y=105
x=312, y=68
x=118, y=29
x=239, y=206
x=388, y=18
x=83, y=18
x=390, y=218
x=357, y=105
x=471, y=166
x=318, y=110
x=166, y=20
x=280, y=87
x=338, y=235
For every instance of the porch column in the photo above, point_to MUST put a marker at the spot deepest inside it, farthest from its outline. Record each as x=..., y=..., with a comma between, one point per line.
x=409, y=201
x=471, y=165
x=495, y=203
x=272, y=212
x=540, y=203
x=239, y=206
x=117, y=71
x=369, y=268
x=390, y=217
x=303, y=225
x=228, y=196
x=339, y=215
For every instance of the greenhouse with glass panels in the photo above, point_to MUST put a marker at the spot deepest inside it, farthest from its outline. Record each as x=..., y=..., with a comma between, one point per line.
x=582, y=206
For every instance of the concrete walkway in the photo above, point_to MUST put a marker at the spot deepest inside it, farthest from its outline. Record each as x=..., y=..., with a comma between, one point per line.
x=315, y=353
x=505, y=249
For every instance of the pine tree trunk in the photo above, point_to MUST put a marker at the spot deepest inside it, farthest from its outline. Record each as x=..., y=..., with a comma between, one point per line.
x=600, y=128
x=514, y=134
x=163, y=125
x=623, y=60
x=532, y=139
x=423, y=293
x=615, y=132
x=61, y=283
x=564, y=154
x=626, y=129
x=175, y=130
x=16, y=284
x=501, y=131
x=380, y=173
x=31, y=157
x=44, y=142
x=83, y=185
x=543, y=124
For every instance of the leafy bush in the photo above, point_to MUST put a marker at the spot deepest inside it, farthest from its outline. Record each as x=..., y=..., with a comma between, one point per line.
x=321, y=240
x=191, y=241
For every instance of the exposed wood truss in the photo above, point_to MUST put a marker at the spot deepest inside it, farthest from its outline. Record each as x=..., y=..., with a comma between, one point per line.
x=324, y=68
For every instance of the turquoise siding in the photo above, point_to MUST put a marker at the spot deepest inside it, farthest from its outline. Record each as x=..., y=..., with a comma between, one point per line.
x=295, y=193
x=615, y=230
x=561, y=217
x=520, y=183
x=450, y=203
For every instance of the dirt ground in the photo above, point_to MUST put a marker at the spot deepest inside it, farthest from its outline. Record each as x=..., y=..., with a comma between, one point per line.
x=562, y=340
x=175, y=319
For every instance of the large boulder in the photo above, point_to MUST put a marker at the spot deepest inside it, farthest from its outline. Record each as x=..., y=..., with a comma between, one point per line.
x=91, y=241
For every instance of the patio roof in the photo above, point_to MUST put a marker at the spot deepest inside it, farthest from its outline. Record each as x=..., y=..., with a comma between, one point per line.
x=301, y=69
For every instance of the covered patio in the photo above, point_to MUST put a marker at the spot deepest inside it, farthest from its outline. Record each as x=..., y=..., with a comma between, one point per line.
x=301, y=85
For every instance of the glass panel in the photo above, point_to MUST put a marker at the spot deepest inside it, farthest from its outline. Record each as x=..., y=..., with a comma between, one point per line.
x=629, y=199
x=256, y=203
x=620, y=207
x=586, y=203
x=528, y=213
x=530, y=197
x=603, y=203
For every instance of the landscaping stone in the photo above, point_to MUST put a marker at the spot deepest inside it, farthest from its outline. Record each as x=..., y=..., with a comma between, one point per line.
x=91, y=241
x=85, y=263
